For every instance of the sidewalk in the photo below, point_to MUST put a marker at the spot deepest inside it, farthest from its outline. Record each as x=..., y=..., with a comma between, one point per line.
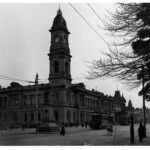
x=33, y=130
x=74, y=136
x=18, y=131
x=145, y=142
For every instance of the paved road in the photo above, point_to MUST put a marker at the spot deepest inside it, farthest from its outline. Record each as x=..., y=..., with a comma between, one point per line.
x=74, y=136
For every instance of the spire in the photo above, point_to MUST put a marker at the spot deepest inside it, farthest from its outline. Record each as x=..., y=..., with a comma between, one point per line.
x=59, y=22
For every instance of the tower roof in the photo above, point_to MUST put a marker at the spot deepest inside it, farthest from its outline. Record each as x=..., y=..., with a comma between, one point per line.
x=117, y=94
x=59, y=23
x=129, y=103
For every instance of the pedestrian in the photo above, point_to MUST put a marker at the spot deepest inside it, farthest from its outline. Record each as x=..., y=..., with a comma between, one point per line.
x=111, y=128
x=62, y=130
x=141, y=132
x=108, y=127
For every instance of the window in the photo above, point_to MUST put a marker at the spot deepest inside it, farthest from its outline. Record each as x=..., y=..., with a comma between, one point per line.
x=25, y=100
x=32, y=117
x=68, y=116
x=66, y=68
x=40, y=99
x=56, y=115
x=81, y=97
x=16, y=101
x=31, y=99
x=46, y=97
x=25, y=117
x=74, y=117
x=4, y=101
x=68, y=94
x=0, y=101
x=5, y=117
x=15, y=117
x=56, y=67
x=39, y=116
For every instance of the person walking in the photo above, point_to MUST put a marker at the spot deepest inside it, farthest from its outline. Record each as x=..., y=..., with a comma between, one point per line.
x=62, y=130
x=141, y=132
x=111, y=128
x=108, y=127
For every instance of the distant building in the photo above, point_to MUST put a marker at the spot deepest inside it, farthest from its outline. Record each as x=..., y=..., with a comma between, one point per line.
x=65, y=102
x=138, y=115
x=119, y=108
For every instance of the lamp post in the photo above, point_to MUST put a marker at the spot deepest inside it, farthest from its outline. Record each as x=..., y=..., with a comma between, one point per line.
x=132, y=128
x=142, y=75
x=144, y=119
x=37, y=104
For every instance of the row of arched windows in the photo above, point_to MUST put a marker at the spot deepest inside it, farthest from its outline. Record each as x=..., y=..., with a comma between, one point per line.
x=32, y=117
x=68, y=116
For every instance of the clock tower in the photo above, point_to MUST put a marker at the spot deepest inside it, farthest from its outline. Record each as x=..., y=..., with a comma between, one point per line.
x=59, y=55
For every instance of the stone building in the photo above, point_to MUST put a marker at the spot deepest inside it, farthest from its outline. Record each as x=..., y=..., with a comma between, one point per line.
x=120, y=114
x=138, y=115
x=65, y=102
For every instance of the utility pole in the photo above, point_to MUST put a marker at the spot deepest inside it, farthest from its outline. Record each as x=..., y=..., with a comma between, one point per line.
x=144, y=117
x=131, y=129
x=37, y=103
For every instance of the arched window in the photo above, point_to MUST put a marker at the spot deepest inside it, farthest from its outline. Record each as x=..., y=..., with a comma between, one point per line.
x=39, y=116
x=5, y=117
x=66, y=67
x=74, y=117
x=68, y=116
x=56, y=67
x=25, y=117
x=32, y=117
x=15, y=117
x=56, y=115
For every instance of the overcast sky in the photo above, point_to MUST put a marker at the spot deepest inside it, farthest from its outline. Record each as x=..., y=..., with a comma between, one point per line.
x=25, y=43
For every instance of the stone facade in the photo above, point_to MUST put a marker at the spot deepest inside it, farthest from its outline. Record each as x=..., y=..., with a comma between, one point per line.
x=65, y=102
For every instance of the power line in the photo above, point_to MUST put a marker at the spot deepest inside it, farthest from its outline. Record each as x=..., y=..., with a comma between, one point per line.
x=98, y=17
x=88, y=24
x=10, y=78
x=95, y=12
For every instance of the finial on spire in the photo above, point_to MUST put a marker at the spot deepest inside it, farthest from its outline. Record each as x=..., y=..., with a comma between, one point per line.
x=36, y=79
x=59, y=6
x=59, y=11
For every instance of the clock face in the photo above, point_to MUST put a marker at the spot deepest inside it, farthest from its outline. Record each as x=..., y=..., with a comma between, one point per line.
x=56, y=39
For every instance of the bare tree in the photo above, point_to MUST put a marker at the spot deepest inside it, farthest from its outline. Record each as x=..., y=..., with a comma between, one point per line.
x=121, y=61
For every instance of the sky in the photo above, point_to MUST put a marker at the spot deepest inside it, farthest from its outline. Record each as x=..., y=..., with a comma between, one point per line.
x=25, y=43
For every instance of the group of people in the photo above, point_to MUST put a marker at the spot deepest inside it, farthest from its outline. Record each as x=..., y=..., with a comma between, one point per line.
x=110, y=130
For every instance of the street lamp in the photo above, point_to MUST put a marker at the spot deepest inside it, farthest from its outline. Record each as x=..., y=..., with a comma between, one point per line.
x=144, y=119
x=37, y=103
x=141, y=75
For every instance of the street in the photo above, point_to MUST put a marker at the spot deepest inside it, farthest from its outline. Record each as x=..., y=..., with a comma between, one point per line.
x=74, y=136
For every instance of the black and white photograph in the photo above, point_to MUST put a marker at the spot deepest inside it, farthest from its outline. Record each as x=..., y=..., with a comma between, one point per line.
x=75, y=73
